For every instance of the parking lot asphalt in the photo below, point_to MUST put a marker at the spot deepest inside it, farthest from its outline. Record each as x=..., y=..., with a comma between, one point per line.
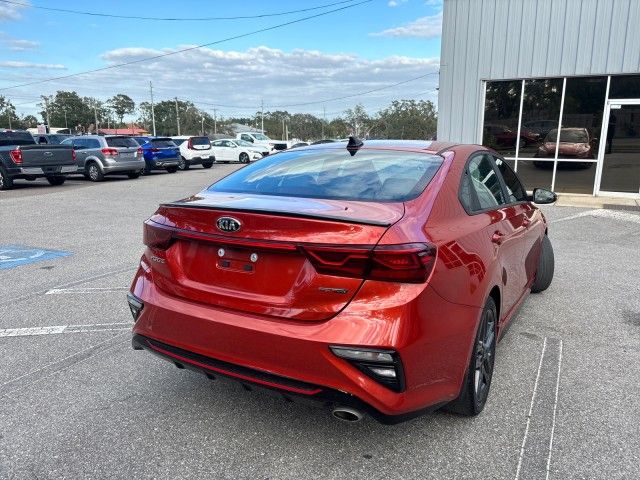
x=77, y=402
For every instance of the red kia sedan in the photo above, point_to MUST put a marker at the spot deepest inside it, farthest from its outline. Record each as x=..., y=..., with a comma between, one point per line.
x=374, y=278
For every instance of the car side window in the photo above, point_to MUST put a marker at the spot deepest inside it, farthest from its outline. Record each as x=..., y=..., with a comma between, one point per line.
x=79, y=144
x=92, y=143
x=484, y=183
x=515, y=190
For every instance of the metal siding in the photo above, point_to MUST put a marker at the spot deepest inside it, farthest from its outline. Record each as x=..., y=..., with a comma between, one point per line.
x=501, y=39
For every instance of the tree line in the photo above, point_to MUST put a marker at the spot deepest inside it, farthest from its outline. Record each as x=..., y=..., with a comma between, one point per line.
x=403, y=119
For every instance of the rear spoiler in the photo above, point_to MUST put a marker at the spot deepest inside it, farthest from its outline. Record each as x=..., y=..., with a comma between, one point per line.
x=283, y=213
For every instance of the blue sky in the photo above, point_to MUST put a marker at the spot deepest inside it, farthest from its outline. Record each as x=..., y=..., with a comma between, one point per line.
x=357, y=49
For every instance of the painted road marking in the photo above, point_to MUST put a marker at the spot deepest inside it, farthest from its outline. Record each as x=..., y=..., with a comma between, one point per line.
x=60, y=329
x=12, y=256
x=603, y=213
x=83, y=291
x=537, y=444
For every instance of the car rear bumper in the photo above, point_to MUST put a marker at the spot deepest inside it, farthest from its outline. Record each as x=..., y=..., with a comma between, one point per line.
x=123, y=166
x=46, y=170
x=164, y=163
x=434, y=348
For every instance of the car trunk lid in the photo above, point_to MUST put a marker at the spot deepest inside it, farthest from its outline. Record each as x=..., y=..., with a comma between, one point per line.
x=266, y=266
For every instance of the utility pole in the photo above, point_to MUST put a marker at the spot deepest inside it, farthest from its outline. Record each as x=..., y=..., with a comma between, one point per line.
x=215, y=122
x=262, y=115
x=324, y=119
x=282, y=128
x=177, y=116
x=46, y=109
x=202, y=126
x=95, y=113
x=66, y=125
x=153, y=115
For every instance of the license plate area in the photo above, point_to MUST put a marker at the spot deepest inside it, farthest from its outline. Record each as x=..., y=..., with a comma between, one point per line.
x=236, y=260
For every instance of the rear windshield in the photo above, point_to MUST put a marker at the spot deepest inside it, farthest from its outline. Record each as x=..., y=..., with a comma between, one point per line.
x=200, y=141
x=389, y=176
x=162, y=142
x=179, y=141
x=568, y=136
x=126, y=142
x=15, y=138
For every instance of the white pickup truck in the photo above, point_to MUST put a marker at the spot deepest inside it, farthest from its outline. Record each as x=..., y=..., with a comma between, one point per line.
x=263, y=142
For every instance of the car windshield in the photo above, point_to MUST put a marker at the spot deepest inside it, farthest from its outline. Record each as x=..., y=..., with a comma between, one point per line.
x=259, y=136
x=568, y=136
x=15, y=138
x=335, y=174
x=125, y=142
x=244, y=143
x=200, y=141
x=162, y=143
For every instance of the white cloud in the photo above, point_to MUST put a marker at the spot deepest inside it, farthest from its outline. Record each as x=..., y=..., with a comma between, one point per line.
x=423, y=27
x=42, y=66
x=17, y=44
x=10, y=11
x=395, y=3
x=228, y=79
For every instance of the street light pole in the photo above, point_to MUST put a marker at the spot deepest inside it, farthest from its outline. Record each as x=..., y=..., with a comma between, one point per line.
x=177, y=115
x=262, y=115
x=153, y=116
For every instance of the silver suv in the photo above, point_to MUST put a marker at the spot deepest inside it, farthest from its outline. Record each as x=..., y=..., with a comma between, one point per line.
x=97, y=156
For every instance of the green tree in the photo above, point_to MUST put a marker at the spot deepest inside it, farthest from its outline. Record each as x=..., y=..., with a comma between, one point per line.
x=67, y=105
x=192, y=119
x=8, y=115
x=121, y=105
x=407, y=119
x=359, y=120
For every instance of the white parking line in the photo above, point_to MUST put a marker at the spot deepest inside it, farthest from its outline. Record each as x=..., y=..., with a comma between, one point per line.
x=603, y=213
x=533, y=398
x=555, y=407
x=61, y=329
x=83, y=291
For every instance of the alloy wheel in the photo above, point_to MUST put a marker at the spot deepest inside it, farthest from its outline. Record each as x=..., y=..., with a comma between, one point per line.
x=485, y=356
x=93, y=172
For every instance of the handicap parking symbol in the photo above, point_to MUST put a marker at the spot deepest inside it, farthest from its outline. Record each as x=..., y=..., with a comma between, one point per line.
x=12, y=256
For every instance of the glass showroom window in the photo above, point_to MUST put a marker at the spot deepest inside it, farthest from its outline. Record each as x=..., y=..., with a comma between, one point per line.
x=540, y=117
x=501, y=113
x=582, y=114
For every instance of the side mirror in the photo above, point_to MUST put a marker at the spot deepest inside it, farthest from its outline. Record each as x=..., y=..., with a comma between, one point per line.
x=543, y=196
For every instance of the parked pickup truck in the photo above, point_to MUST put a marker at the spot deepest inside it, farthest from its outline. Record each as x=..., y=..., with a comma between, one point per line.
x=263, y=142
x=21, y=157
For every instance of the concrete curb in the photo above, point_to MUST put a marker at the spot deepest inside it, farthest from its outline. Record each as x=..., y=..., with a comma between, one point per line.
x=598, y=202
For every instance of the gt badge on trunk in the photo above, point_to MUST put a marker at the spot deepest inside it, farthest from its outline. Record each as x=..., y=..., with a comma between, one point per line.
x=228, y=224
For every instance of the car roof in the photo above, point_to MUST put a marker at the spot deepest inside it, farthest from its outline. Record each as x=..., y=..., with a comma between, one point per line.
x=426, y=146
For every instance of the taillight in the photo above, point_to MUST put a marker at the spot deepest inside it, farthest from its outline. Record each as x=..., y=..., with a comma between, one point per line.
x=139, y=153
x=406, y=263
x=110, y=152
x=155, y=150
x=156, y=236
x=73, y=154
x=16, y=156
x=190, y=144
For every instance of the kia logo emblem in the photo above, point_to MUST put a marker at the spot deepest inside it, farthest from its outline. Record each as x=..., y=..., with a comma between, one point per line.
x=228, y=224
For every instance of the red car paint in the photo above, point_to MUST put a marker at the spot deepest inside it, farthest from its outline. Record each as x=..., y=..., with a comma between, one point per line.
x=280, y=318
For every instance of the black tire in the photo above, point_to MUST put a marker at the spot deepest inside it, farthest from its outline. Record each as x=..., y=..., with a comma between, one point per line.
x=477, y=380
x=183, y=165
x=133, y=175
x=244, y=158
x=207, y=164
x=6, y=182
x=56, y=179
x=94, y=172
x=147, y=169
x=546, y=266
x=172, y=169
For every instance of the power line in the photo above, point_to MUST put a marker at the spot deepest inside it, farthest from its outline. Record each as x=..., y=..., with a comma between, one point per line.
x=174, y=19
x=155, y=57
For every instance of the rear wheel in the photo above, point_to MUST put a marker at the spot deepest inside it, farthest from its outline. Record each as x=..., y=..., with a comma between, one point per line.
x=133, y=175
x=477, y=381
x=147, y=169
x=244, y=158
x=546, y=266
x=207, y=164
x=183, y=165
x=172, y=169
x=94, y=172
x=56, y=179
x=6, y=182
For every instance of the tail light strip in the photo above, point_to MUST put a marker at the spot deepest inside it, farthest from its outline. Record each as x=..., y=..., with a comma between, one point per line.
x=406, y=263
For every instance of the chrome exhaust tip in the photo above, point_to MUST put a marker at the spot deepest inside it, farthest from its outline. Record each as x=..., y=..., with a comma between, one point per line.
x=347, y=414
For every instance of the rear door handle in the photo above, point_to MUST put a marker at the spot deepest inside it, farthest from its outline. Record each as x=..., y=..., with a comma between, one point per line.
x=497, y=238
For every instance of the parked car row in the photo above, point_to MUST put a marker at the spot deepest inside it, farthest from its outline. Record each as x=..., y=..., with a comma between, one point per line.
x=28, y=157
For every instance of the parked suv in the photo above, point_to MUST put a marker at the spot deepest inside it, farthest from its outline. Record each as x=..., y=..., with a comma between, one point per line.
x=97, y=156
x=21, y=157
x=160, y=153
x=195, y=151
